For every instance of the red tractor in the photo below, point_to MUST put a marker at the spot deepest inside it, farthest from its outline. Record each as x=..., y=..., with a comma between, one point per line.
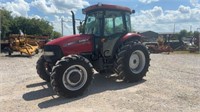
x=104, y=45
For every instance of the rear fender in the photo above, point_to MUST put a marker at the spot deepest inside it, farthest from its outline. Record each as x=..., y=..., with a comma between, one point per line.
x=131, y=36
x=124, y=39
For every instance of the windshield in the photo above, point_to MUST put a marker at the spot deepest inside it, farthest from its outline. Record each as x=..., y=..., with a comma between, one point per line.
x=93, y=23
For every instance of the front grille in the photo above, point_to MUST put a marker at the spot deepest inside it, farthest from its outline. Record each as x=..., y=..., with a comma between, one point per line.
x=57, y=53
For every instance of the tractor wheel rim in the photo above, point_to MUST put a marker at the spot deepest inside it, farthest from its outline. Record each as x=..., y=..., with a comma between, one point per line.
x=137, y=61
x=75, y=77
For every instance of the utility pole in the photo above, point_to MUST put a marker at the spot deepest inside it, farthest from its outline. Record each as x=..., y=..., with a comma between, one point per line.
x=73, y=23
x=62, y=26
x=62, y=21
x=174, y=28
x=190, y=28
x=199, y=39
x=52, y=34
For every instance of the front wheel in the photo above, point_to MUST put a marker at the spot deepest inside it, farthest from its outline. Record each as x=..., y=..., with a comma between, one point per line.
x=71, y=76
x=132, y=62
x=43, y=69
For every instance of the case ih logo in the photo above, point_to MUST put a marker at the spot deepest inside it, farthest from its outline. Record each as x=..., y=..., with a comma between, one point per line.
x=83, y=41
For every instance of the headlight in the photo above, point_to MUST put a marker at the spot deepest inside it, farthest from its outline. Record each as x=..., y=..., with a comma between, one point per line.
x=48, y=53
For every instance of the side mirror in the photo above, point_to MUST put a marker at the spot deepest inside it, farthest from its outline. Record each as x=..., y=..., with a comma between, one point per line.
x=133, y=11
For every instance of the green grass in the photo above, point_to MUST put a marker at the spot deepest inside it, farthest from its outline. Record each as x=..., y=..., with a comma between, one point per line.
x=185, y=52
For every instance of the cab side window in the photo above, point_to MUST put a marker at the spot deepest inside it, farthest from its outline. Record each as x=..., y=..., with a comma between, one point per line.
x=113, y=23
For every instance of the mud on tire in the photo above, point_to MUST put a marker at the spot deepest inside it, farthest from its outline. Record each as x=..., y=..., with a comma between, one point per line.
x=71, y=76
x=132, y=62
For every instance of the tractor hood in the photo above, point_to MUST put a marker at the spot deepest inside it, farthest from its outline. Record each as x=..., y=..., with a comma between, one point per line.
x=66, y=40
x=74, y=44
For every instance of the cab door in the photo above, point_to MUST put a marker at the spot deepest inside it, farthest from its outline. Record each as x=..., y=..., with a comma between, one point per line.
x=114, y=29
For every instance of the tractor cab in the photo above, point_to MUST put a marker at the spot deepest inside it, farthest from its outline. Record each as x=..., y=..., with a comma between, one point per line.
x=107, y=23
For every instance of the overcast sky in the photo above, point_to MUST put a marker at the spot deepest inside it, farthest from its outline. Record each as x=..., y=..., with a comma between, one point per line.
x=154, y=15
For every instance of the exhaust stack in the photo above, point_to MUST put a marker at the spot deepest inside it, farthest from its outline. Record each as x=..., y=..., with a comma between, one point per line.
x=73, y=23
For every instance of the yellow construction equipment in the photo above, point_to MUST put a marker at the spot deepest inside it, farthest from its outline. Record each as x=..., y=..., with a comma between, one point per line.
x=23, y=44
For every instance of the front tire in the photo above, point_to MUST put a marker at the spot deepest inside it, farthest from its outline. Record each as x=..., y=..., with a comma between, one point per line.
x=43, y=69
x=71, y=76
x=132, y=62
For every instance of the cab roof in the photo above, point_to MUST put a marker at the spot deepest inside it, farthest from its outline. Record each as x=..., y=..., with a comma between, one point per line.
x=105, y=7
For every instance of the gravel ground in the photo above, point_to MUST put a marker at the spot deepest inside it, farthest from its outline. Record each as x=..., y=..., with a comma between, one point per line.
x=171, y=85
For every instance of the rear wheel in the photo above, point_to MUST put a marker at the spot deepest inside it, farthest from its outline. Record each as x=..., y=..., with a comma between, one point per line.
x=10, y=51
x=43, y=69
x=132, y=62
x=71, y=76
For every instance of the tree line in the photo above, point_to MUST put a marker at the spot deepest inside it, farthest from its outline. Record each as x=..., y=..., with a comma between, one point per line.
x=187, y=34
x=29, y=26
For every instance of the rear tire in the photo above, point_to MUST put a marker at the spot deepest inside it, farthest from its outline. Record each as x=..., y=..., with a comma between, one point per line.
x=132, y=62
x=42, y=69
x=71, y=76
x=9, y=51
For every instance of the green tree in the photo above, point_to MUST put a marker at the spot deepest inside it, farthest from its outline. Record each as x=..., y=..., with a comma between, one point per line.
x=5, y=22
x=10, y=25
x=31, y=26
x=182, y=33
x=196, y=34
x=55, y=35
x=190, y=33
x=17, y=24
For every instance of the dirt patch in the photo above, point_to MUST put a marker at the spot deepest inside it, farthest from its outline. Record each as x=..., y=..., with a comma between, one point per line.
x=171, y=85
